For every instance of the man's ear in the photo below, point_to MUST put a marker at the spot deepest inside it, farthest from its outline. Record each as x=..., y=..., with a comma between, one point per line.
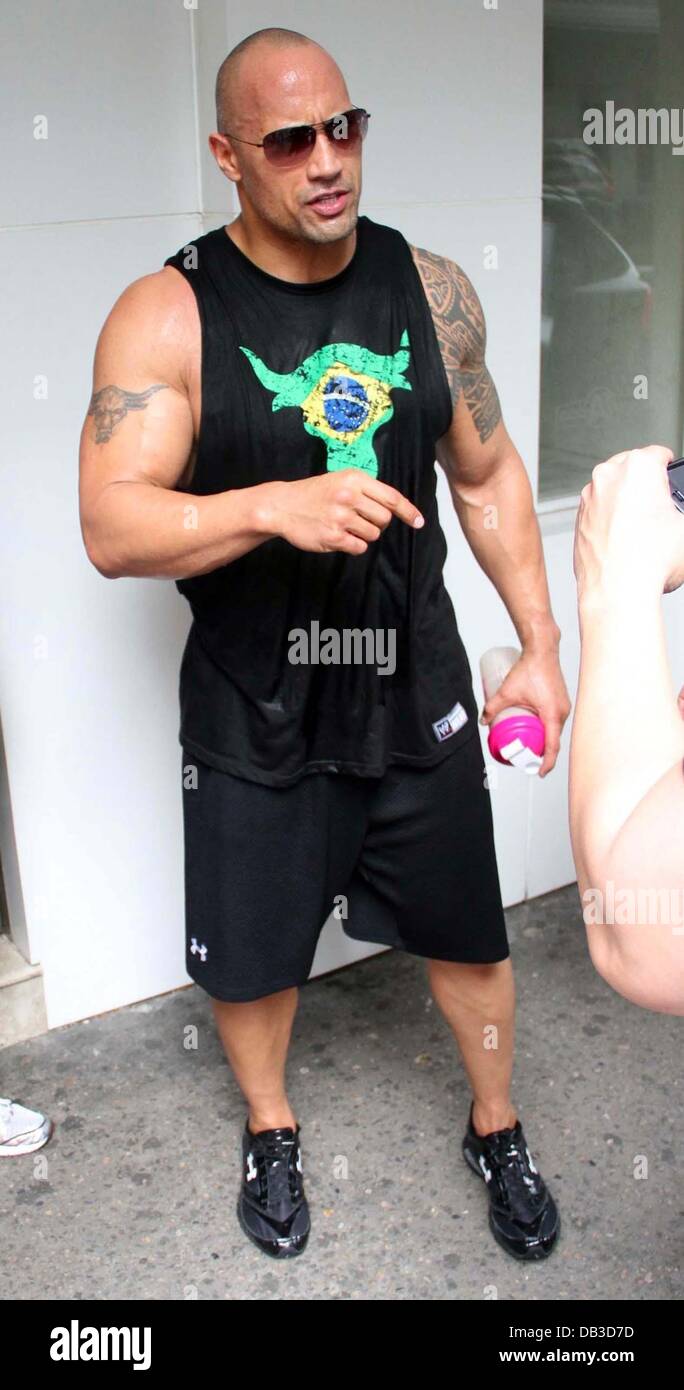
x=680, y=701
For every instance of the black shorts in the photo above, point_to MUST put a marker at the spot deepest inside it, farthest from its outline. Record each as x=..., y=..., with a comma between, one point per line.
x=404, y=860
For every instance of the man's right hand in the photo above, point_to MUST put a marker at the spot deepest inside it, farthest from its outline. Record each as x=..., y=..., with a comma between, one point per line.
x=345, y=510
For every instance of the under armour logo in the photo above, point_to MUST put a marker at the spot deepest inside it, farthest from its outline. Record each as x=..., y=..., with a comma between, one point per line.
x=487, y=1172
x=196, y=950
x=251, y=1170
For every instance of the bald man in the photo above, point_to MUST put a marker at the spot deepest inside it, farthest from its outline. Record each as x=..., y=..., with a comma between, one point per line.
x=266, y=414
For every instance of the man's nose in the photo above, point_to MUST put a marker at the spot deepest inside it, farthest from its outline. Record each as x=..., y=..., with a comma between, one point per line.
x=325, y=160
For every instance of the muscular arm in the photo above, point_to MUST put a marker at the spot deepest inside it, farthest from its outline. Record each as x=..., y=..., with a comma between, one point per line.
x=461, y=334
x=137, y=448
x=626, y=798
x=488, y=481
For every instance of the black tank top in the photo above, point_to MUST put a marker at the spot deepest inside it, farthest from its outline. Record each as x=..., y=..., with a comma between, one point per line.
x=287, y=668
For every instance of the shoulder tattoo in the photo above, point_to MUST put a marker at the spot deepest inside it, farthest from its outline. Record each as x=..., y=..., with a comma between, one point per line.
x=462, y=336
x=111, y=404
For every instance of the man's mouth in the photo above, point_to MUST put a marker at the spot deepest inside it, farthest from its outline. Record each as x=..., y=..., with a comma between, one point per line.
x=330, y=204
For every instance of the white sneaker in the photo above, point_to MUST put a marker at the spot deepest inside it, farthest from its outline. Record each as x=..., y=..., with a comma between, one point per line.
x=21, y=1130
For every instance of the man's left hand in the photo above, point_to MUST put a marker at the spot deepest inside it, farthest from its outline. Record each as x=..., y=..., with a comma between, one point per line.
x=535, y=681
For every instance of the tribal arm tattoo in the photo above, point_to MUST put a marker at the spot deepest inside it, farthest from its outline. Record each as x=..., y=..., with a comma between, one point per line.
x=462, y=337
x=109, y=406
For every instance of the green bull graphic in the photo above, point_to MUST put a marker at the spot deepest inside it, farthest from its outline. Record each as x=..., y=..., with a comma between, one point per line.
x=343, y=391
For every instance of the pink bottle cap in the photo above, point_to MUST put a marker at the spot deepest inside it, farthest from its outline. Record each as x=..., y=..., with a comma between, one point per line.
x=516, y=734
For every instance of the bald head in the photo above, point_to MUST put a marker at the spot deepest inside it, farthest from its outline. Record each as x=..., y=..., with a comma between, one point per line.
x=232, y=80
x=273, y=79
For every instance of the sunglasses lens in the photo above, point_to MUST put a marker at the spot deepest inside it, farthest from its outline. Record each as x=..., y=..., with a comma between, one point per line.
x=348, y=129
x=352, y=127
x=285, y=146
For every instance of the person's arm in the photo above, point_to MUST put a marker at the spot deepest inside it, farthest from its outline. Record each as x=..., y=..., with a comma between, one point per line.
x=626, y=794
x=137, y=449
x=493, y=499
x=137, y=444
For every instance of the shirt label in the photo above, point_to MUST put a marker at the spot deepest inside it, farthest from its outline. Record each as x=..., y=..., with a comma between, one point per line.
x=450, y=723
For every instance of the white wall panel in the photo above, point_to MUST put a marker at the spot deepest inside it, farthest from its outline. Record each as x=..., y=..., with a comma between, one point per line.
x=115, y=84
x=89, y=665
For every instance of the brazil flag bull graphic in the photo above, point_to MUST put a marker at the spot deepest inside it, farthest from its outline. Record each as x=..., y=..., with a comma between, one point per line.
x=343, y=392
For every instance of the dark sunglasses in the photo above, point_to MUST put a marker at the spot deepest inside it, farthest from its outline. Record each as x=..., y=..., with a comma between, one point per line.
x=285, y=147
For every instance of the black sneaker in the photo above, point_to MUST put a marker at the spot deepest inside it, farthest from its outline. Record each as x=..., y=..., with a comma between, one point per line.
x=523, y=1216
x=272, y=1209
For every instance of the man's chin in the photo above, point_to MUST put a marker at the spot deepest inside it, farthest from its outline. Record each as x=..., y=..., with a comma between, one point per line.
x=326, y=231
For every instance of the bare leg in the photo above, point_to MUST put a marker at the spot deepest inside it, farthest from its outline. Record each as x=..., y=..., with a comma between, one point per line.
x=255, y=1038
x=478, y=1003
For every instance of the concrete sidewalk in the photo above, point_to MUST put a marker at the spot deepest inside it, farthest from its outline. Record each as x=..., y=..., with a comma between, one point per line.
x=142, y=1171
